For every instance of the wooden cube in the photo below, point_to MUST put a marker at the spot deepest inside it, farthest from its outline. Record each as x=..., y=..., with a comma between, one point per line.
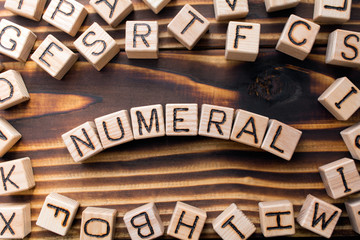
x=54, y=57
x=216, y=121
x=186, y=222
x=15, y=41
x=188, y=26
x=228, y=10
x=341, y=99
x=66, y=15
x=98, y=223
x=17, y=175
x=341, y=178
x=8, y=136
x=298, y=37
x=332, y=11
x=112, y=12
x=15, y=220
x=277, y=5
x=97, y=46
x=249, y=128
x=156, y=5
x=142, y=39
x=82, y=142
x=318, y=216
x=277, y=218
x=144, y=222
x=57, y=213
x=281, y=139
x=32, y=9
x=343, y=48
x=114, y=129
x=351, y=137
x=353, y=210
x=181, y=119
x=147, y=121
x=233, y=224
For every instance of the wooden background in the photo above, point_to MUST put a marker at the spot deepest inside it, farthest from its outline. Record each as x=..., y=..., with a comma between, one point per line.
x=204, y=172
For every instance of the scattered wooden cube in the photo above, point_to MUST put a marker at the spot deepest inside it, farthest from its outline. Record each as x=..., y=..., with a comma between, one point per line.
x=17, y=175
x=113, y=13
x=341, y=178
x=144, y=222
x=242, y=41
x=32, y=9
x=15, y=220
x=181, y=119
x=57, y=213
x=147, y=121
x=216, y=121
x=15, y=41
x=98, y=223
x=351, y=137
x=188, y=26
x=66, y=15
x=343, y=48
x=277, y=5
x=298, y=37
x=318, y=216
x=142, y=39
x=281, y=139
x=277, y=218
x=186, y=222
x=233, y=224
x=228, y=10
x=341, y=99
x=97, y=46
x=156, y=5
x=8, y=136
x=82, y=142
x=54, y=57
x=353, y=210
x=337, y=11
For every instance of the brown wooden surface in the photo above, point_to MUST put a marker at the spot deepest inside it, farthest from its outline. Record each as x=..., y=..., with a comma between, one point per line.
x=204, y=172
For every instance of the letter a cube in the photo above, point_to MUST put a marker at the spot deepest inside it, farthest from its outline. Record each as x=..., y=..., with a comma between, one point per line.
x=113, y=12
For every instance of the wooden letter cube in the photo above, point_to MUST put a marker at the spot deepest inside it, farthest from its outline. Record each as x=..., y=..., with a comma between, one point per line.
x=277, y=218
x=277, y=5
x=227, y=10
x=298, y=37
x=31, y=9
x=353, y=210
x=113, y=12
x=147, y=121
x=186, y=222
x=15, y=41
x=281, y=139
x=98, y=223
x=341, y=99
x=83, y=142
x=54, y=57
x=233, y=224
x=16, y=176
x=57, y=213
x=188, y=26
x=249, y=128
x=242, y=41
x=318, y=216
x=181, y=119
x=67, y=15
x=8, y=136
x=156, y=5
x=144, y=222
x=15, y=221
x=114, y=129
x=351, y=137
x=97, y=46
x=216, y=121
x=142, y=39
x=332, y=11
x=341, y=178
x=343, y=48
